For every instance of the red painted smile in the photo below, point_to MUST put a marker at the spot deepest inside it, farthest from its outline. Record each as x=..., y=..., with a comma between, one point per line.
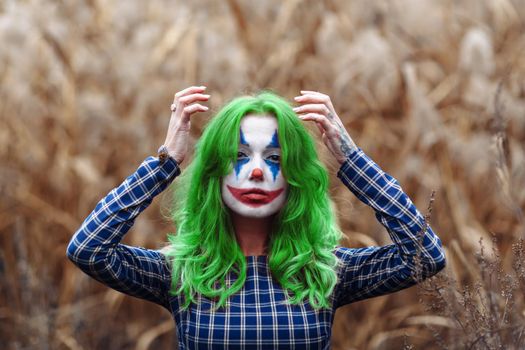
x=254, y=197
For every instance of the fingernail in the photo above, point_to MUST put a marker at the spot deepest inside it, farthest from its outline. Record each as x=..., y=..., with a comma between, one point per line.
x=297, y=97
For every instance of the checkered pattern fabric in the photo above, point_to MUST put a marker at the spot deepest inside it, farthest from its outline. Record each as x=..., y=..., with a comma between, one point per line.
x=258, y=316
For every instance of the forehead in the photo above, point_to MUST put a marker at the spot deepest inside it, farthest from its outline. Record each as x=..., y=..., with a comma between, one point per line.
x=258, y=126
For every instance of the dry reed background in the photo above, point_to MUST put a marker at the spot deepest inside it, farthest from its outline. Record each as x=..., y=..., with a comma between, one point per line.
x=434, y=91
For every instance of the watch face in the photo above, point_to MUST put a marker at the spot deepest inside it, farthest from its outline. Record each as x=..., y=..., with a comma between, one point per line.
x=163, y=151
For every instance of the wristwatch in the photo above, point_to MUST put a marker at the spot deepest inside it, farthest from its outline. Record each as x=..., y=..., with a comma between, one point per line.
x=163, y=153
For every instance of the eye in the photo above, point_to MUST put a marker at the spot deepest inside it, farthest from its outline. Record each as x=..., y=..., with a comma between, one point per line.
x=241, y=155
x=274, y=158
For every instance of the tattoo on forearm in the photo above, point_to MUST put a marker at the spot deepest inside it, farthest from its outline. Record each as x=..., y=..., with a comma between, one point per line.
x=347, y=146
x=336, y=121
x=344, y=147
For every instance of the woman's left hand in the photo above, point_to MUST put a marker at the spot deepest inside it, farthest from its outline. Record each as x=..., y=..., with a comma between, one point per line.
x=317, y=107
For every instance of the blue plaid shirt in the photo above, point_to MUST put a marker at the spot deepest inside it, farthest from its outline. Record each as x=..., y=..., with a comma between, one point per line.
x=258, y=316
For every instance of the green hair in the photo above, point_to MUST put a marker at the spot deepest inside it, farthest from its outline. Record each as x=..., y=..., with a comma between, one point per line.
x=300, y=250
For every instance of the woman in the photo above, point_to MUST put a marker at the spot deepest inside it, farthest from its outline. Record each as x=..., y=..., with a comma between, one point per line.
x=255, y=260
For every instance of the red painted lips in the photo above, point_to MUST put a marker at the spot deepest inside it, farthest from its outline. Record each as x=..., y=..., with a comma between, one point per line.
x=254, y=197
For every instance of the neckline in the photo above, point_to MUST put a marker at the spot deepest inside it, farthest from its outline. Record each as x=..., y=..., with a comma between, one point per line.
x=256, y=257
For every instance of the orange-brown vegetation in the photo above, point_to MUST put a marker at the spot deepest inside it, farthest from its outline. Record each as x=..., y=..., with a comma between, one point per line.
x=433, y=91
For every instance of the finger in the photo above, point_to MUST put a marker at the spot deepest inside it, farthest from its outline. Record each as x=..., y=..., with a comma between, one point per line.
x=312, y=108
x=189, y=110
x=321, y=119
x=320, y=127
x=304, y=92
x=190, y=90
x=186, y=100
x=311, y=98
x=327, y=142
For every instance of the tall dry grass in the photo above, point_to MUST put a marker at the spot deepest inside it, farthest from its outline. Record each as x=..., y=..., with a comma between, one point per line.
x=433, y=91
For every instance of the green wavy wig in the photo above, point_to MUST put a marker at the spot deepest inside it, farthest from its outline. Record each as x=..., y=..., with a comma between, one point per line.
x=204, y=251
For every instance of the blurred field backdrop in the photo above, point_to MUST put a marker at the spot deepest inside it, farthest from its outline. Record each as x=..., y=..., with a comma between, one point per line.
x=433, y=91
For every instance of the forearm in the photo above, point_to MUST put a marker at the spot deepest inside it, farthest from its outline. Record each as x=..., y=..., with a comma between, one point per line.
x=115, y=214
x=395, y=211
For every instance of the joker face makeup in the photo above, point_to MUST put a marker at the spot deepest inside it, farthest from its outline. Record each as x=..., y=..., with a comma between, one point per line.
x=256, y=186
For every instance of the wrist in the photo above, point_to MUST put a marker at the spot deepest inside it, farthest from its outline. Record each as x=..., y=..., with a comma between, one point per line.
x=164, y=153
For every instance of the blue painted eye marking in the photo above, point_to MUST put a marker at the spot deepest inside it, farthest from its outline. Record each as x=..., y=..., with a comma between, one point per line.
x=243, y=140
x=274, y=165
x=274, y=143
x=274, y=161
x=242, y=159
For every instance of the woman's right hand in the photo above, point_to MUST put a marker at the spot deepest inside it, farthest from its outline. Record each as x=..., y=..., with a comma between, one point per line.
x=184, y=105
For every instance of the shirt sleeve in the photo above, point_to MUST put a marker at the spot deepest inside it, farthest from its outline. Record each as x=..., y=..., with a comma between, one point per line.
x=96, y=249
x=373, y=271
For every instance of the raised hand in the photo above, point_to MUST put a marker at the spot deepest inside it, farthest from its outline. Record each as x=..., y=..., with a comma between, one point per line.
x=183, y=106
x=317, y=107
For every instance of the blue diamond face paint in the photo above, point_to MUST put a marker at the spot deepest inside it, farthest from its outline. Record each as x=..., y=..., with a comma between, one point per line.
x=272, y=163
x=242, y=158
x=274, y=143
x=240, y=162
x=256, y=187
x=274, y=168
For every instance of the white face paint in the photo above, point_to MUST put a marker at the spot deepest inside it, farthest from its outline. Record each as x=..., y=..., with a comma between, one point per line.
x=256, y=186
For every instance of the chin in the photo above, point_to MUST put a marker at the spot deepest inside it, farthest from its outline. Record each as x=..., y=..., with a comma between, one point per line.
x=255, y=213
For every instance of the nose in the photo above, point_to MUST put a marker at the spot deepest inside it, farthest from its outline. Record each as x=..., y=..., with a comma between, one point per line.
x=257, y=175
